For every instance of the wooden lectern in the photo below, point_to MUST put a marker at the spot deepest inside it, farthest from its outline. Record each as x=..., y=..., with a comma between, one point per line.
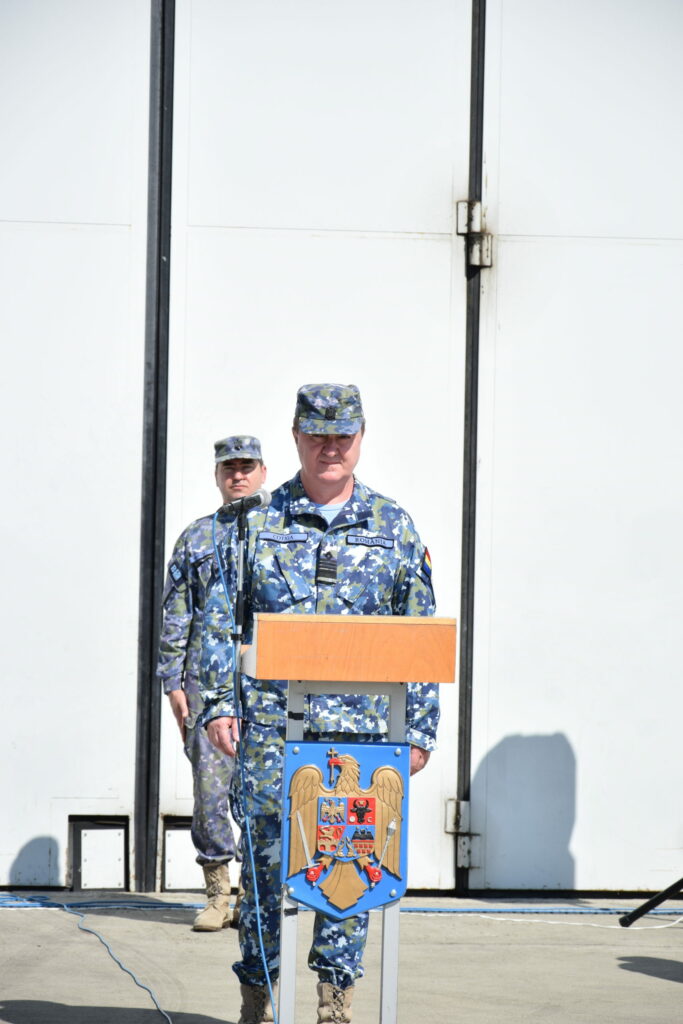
x=348, y=654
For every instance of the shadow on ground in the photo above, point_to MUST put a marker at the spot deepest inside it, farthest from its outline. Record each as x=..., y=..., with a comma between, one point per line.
x=655, y=967
x=34, y=1011
x=132, y=906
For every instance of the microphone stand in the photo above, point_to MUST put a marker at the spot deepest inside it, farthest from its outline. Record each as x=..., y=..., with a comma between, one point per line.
x=236, y=637
x=258, y=499
x=671, y=893
x=239, y=606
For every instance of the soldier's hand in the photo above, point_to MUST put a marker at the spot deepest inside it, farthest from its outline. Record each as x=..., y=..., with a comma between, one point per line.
x=223, y=733
x=180, y=709
x=418, y=759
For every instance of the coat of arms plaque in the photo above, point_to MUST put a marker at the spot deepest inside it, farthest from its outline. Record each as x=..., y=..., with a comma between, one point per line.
x=345, y=825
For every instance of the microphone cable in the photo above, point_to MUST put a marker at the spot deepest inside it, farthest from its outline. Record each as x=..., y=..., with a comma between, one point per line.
x=42, y=901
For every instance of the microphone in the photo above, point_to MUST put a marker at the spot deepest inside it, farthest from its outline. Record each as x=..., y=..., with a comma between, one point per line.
x=259, y=499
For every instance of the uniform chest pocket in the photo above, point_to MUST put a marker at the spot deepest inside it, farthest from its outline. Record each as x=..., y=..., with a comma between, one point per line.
x=204, y=570
x=281, y=578
x=295, y=569
x=366, y=575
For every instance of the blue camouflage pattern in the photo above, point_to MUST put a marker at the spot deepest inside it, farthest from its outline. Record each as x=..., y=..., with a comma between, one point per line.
x=337, y=946
x=328, y=409
x=381, y=569
x=375, y=564
x=191, y=571
x=237, y=446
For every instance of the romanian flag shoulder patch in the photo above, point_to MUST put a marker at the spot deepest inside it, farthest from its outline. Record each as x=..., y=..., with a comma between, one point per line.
x=426, y=568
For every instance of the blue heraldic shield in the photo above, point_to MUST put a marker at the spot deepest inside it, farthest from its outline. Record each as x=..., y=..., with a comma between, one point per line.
x=345, y=825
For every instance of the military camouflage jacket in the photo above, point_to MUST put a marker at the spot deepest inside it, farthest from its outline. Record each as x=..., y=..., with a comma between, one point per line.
x=190, y=572
x=369, y=561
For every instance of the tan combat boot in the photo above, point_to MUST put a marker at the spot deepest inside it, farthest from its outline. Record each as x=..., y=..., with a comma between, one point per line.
x=334, y=1004
x=256, y=1005
x=216, y=914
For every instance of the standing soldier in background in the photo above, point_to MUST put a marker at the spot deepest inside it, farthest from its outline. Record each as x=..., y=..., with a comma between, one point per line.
x=239, y=472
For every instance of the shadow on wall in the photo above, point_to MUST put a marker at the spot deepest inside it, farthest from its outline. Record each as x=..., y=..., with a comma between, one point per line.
x=37, y=863
x=523, y=799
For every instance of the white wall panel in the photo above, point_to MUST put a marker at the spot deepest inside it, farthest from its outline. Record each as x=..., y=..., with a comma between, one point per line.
x=589, y=127
x=72, y=409
x=316, y=159
x=341, y=117
x=72, y=326
x=579, y=560
x=70, y=78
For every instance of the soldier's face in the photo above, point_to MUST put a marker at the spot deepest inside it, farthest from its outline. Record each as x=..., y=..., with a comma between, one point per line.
x=237, y=478
x=328, y=458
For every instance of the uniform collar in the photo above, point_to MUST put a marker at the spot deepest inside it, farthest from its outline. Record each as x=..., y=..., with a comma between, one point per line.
x=358, y=506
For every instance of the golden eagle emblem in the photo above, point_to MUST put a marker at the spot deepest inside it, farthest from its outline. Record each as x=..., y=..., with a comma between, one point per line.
x=354, y=831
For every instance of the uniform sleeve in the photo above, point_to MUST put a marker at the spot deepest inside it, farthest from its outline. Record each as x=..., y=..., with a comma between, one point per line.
x=217, y=662
x=176, y=621
x=414, y=595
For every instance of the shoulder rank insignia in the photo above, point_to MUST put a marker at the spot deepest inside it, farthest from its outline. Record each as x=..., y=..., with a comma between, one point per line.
x=344, y=843
x=176, y=573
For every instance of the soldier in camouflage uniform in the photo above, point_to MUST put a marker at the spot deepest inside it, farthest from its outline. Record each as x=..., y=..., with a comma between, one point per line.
x=239, y=472
x=326, y=544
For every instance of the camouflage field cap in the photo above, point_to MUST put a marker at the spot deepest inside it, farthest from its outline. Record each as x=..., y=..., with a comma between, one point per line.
x=239, y=446
x=329, y=409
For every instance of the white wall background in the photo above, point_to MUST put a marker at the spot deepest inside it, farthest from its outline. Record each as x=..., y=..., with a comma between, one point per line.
x=577, y=772
x=317, y=157
x=73, y=182
x=318, y=151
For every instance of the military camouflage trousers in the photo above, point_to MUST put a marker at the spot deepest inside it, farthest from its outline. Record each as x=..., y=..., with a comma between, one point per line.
x=337, y=948
x=212, y=773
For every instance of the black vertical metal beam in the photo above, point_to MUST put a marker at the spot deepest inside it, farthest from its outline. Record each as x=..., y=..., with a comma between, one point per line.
x=154, y=440
x=470, y=444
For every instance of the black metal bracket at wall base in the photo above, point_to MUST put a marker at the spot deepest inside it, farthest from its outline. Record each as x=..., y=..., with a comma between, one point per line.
x=172, y=821
x=78, y=824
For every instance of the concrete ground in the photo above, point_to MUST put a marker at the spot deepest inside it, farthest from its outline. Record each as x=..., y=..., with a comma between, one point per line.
x=474, y=961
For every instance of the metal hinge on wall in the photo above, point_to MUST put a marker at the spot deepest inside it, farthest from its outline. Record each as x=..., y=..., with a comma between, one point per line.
x=458, y=824
x=470, y=223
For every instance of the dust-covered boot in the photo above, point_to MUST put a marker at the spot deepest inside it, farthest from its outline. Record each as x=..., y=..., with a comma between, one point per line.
x=216, y=914
x=235, y=919
x=256, y=1005
x=334, y=1004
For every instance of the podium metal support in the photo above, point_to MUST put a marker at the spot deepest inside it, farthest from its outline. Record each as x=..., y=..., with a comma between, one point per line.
x=298, y=691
